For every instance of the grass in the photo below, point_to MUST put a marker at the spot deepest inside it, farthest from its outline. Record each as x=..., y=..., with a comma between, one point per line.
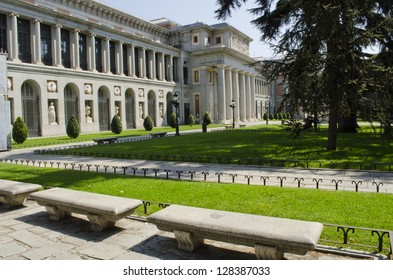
x=370, y=210
x=269, y=145
x=64, y=139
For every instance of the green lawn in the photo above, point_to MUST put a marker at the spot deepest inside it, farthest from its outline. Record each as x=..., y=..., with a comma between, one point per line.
x=370, y=210
x=267, y=146
x=46, y=141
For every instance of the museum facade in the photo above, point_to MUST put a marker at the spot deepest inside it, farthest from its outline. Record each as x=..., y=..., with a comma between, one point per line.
x=83, y=58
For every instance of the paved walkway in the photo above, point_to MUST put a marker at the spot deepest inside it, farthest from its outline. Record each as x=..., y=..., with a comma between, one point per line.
x=27, y=233
x=331, y=179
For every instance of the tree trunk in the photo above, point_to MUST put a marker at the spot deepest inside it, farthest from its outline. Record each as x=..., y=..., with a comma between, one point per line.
x=332, y=131
x=348, y=124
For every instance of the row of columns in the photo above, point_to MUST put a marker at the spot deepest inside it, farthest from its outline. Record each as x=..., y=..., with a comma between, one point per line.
x=238, y=85
x=160, y=65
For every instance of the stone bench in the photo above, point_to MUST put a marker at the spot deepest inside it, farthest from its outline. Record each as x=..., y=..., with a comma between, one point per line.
x=13, y=193
x=271, y=237
x=108, y=140
x=103, y=211
x=158, y=134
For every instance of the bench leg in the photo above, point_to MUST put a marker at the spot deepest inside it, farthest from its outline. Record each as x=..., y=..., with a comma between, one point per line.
x=98, y=223
x=56, y=213
x=10, y=201
x=187, y=241
x=265, y=252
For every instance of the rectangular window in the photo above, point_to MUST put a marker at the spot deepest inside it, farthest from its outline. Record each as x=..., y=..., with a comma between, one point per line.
x=195, y=39
x=24, y=40
x=112, y=57
x=136, y=61
x=185, y=74
x=125, y=60
x=46, y=44
x=196, y=101
x=218, y=40
x=65, y=48
x=83, y=51
x=196, y=76
x=3, y=33
x=98, y=51
x=210, y=76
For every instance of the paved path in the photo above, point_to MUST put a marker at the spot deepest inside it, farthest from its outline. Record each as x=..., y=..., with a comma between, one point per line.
x=27, y=233
x=349, y=180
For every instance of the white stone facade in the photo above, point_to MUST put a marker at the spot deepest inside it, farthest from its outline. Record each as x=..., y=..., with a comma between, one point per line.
x=82, y=58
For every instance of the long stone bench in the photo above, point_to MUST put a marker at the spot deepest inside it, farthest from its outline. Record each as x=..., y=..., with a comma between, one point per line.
x=103, y=211
x=271, y=237
x=14, y=193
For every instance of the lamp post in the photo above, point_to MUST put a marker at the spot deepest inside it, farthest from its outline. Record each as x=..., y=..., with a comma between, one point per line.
x=233, y=106
x=175, y=103
x=267, y=113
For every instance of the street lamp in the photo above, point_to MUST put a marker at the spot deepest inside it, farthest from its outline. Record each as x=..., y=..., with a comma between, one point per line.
x=233, y=106
x=175, y=103
x=267, y=113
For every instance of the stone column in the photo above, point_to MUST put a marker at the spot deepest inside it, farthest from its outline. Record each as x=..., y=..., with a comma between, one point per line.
x=170, y=68
x=75, y=61
x=131, y=60
x=163, y=68
x=221, y=100
x=252, y=98
x=91, y=52
x=13, y=38
x=36, y=51
x=228, y=93
x=248, y=96
x=119, y=58
x=242, y=96
x=106, y=63
x=154, y=68
x=235, y=91
x=57, y=46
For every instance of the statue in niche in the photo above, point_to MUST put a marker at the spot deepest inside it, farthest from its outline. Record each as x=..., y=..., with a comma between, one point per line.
x=161, y=111
x=141, y=110
x=117, y=110
x=87, y=114
x=52, y=114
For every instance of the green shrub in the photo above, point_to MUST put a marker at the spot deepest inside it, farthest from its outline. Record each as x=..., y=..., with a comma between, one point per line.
x=172, y=120
x=280, y=116
x=265, y=116
x=19, y=131
x=271, y=116
x=116, y=125
x=73, y=128
x=191, y=120
x=148, y=123
x=207, y=119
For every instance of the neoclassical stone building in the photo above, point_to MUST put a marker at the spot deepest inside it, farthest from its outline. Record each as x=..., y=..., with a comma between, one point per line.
x=83, y=58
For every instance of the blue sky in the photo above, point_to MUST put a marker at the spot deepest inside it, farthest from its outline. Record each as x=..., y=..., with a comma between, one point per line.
x=188, y=11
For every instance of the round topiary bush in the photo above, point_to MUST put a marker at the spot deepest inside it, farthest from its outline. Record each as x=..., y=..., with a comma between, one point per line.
x=73, y=128
x=116, y=125
x=148, y=123
x=191, y=120
x=172, y=120
x=265, y=116
x=271, y=117
x=207, y=119
x=19, y=131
